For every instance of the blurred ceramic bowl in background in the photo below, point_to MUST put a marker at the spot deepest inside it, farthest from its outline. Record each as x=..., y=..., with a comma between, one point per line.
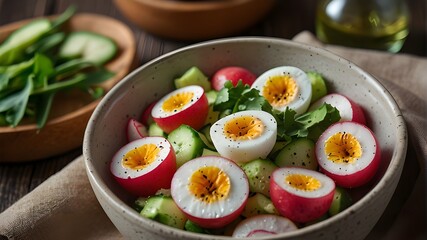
x=194, y=20
x=105, y=132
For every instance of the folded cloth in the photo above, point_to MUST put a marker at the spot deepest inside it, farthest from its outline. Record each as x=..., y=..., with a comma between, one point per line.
x=64, y=206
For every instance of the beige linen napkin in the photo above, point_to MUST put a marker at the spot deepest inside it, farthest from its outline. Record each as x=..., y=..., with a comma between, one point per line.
x=64, y=206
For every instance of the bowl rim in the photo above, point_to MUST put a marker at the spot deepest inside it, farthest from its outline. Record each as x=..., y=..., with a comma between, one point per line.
x=395, y=166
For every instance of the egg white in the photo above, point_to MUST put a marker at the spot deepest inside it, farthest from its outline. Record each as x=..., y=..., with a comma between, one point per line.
x=245, y=150
x=119, y=170
x=363, y=136
x=159, y=112
x=326, y=184
x=239, y=189
x=302, y=100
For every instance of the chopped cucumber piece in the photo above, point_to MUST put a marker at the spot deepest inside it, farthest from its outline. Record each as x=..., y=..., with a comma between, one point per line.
x=279, y=145
x=259, y=204
x=187, y=144
x=341, y=201
x=164, y=210
x=209, y=145
x=212, y=117
x=154, y=130
x=13, y=48
x=318, y=85
x=193, y=76
x=192, y=227
x=208, y=152
x=300, y=153
x=206, y=131
x=259, y=172
x=139, y=203
x=211, y=95
x=88, y=46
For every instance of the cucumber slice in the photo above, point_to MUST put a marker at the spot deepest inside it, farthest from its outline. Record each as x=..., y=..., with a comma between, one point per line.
x=300, y=152
x=279, y=145
x=318, y=85
x=192, y=227
x=258, y=173
x=139, y=204
x=13, y=48
x=155, y=131
x=341, y=201
x=211, y=95
x=208, y=152
x=164, y=210
x=193, y=76
x=88, y=46
x=212, y=117
x=259, y=204
x=209, y=145
x=187, y=144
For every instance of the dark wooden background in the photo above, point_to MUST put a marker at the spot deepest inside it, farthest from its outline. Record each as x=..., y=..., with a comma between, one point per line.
x=286, y=20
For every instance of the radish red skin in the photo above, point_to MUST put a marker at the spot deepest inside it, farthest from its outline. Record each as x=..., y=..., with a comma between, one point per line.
x=216, y=222
x=296, y=208
x=358, y=178
x=358, y=114
x=149, y=183
x=194, y=116
x=233, y=74
x=146, y=117
x=135, y=130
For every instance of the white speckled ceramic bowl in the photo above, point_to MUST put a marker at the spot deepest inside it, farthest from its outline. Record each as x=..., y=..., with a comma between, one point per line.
x=105, y=132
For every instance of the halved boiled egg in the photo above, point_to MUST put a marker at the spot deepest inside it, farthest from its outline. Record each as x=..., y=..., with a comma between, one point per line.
x=349, y=153
x=244, y=136
x=301, y=194
x=263, y=225
x=144, y=166
x=285, y=86
x=187, y=105
x=211, y=191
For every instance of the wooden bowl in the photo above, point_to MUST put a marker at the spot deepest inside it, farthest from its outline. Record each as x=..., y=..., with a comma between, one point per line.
x=194, y=20
x=71, y=110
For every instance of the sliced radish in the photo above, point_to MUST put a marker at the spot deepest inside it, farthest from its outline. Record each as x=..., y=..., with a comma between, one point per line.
x=285, y=86
x=187, y=105
x=135, y=130
x=144, y=166
x=263, y=225
x=300, y=194
x=211, y=191
x=244, y=136
x=349, y=110
x=349, y=153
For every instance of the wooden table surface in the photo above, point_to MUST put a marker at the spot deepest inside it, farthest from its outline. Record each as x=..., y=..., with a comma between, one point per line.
x=17, y=179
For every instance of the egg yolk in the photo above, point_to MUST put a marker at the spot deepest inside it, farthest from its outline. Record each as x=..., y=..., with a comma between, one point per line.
x=303, y=182
x=343, y=147
x=177, y=101
x=280, y=90
x=244, y=128
x=209, y=184
x=140, y=157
